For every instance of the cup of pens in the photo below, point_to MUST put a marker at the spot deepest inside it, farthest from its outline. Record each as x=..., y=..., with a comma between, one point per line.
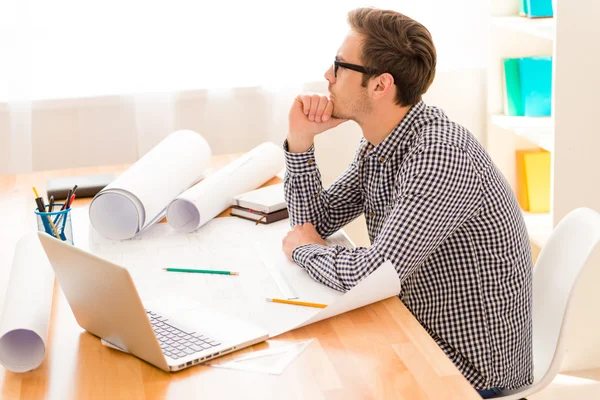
x=55, y=223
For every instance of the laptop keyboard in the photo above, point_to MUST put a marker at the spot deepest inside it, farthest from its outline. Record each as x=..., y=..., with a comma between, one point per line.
x=174, y=341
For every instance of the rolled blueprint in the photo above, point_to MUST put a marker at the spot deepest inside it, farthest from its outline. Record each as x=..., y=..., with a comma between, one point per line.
x=139, y=197
x=26, y=315
x=207, y=199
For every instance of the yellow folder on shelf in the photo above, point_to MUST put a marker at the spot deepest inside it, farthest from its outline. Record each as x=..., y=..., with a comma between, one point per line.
x=522, y=180
x=537, y=171
x=533, y=180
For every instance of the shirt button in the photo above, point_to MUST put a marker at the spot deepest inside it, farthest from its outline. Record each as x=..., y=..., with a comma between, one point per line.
x=372, y=214
x=311, y=161
x=316, y=194
x=382, y=159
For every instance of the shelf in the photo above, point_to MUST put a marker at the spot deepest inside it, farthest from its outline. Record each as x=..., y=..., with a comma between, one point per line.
x=539, y=227
x=539, y=27
x=537, y=130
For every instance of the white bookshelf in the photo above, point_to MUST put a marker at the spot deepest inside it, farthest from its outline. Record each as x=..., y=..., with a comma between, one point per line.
x=515, y=36
x=571, y=135
x=542, y=27
x=539, y=227
x=538, y=131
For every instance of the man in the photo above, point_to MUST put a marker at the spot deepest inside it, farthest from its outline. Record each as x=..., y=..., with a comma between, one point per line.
x=436, y=206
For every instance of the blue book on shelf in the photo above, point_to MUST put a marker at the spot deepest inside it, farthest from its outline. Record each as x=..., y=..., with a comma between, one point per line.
x=537, y=8
x=536, y=86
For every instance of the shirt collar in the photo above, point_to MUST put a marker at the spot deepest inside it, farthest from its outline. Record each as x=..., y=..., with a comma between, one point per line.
x=395, y=139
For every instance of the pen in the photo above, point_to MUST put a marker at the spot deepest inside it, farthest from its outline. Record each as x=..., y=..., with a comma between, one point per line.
x=72, y=195
x=39, y=201
x=71, y=200
x=297, y=303
x=201, y=271
x=51, y=204
x=64, y=206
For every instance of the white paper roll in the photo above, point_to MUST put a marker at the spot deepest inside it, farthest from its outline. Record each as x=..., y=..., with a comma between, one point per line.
x=138, y=198
x=207, y=199
x=26, y=314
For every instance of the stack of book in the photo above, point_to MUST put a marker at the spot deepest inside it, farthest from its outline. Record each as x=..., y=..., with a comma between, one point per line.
x=528, y=86
x=536, y=8
x=533, y=180
x=264, y=205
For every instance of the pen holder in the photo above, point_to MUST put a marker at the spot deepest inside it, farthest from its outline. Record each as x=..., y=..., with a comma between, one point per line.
x=56, y=224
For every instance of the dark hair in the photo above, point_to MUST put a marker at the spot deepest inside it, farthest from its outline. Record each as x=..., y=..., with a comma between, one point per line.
x=398, y=45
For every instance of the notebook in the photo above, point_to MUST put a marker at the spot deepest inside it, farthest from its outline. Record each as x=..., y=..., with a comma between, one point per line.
x=87, y=186
x=266, y=200
x=258, y=216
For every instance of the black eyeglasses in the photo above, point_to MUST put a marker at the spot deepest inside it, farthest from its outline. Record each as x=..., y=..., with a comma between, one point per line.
x=353, y=67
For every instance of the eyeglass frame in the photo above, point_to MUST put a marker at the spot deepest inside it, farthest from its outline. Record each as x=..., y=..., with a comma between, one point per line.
x=354, y=67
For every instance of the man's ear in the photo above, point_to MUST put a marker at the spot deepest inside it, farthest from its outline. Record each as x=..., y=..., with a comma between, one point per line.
x=382, y=85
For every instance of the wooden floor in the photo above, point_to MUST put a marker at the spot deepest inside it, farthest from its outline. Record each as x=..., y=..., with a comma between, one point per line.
x=576, y=385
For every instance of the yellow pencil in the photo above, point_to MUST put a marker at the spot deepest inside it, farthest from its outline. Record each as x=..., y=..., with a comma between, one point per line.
x=53, y=228
x=297, y=303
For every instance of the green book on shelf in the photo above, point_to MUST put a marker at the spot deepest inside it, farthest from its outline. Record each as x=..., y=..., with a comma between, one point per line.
x=512, y=86
x=523, y=8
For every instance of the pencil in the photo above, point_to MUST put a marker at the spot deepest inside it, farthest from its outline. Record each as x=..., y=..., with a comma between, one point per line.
x=53, y=228
x=201, y=271
x=35, y=192
x=297, y=303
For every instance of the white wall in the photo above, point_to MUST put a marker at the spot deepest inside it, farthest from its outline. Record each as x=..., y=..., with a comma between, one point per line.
x=575, y=169
x=119, y=129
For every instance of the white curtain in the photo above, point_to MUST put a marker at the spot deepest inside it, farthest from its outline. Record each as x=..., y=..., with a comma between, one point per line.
x=91, y=83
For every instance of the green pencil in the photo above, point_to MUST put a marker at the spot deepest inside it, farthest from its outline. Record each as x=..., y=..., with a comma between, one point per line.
x=201, y=271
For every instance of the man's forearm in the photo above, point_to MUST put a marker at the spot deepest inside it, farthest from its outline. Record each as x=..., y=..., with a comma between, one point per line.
x=335, y=266
x=299, y=143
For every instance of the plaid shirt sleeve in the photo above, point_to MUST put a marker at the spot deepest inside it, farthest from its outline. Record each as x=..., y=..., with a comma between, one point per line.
x=328, y=210
x=437, y=189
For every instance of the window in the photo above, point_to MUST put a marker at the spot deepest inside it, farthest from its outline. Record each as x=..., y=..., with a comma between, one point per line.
x=75, y=48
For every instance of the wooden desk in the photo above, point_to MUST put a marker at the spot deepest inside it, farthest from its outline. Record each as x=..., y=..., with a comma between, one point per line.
x=376, y=352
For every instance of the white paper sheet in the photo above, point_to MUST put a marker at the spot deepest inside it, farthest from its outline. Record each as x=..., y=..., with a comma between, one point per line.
x=273, y=360
x=26, y=315
x=275, y=270
x=207, y=199
x=286, y=274
x=381, y=284
x=229, y=244
x=138, y=198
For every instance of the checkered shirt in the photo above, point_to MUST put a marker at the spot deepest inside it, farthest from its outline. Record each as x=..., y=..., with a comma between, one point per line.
x=439, y=209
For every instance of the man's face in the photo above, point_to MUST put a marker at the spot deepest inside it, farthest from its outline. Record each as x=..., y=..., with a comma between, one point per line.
x=350, y=99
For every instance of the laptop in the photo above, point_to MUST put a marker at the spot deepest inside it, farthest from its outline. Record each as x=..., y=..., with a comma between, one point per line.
x=106, y=304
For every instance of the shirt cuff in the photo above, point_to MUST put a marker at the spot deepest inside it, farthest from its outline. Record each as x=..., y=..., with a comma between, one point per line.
x=302, y=254
x=300, y=163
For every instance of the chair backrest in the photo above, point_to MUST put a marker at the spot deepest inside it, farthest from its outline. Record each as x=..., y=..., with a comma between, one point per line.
x=554, y=277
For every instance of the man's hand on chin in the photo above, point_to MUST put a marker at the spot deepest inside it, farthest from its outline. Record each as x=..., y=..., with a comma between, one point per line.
x=299, y=236
x=310, y=115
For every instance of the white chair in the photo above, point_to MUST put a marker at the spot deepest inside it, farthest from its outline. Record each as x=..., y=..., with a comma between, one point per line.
x=555, y=277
